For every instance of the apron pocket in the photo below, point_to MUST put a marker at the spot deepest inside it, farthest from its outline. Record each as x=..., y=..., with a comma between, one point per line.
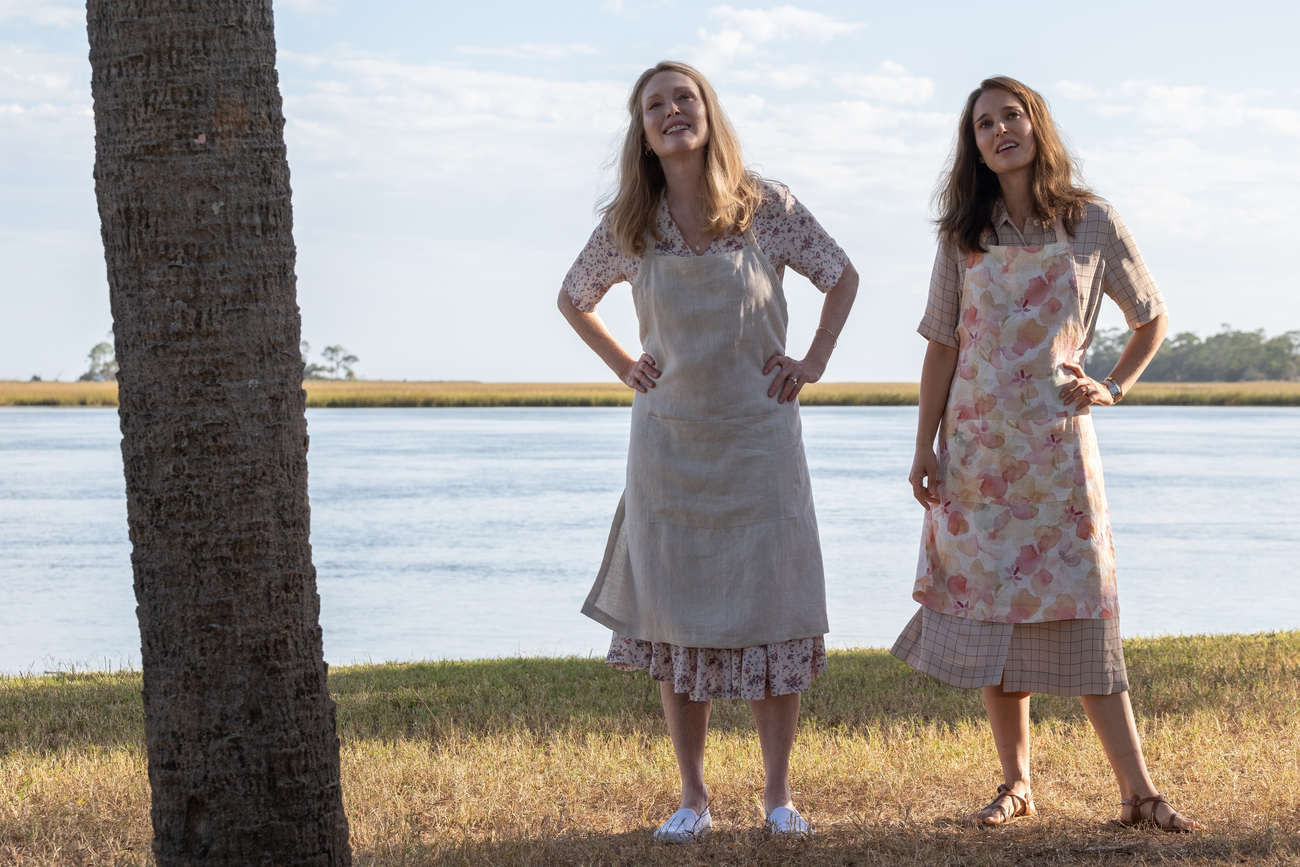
x=714, y=473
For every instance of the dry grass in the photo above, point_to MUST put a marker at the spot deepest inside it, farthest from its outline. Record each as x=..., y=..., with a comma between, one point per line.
x=1265, y=393
x=374, y=393
x=543, y=761
x=58, y=393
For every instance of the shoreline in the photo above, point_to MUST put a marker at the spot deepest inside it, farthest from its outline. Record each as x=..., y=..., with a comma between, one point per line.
x=66, y=671
x=322, y=394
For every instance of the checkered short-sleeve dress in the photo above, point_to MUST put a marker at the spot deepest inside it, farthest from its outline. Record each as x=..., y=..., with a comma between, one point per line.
x=1060, y=657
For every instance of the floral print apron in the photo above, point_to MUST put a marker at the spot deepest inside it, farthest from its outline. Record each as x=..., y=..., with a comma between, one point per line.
x=1021, y=533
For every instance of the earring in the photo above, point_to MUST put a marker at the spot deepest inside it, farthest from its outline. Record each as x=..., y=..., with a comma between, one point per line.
x=645, y=147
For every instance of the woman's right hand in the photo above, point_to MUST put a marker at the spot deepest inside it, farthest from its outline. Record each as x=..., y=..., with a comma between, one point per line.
x=642, y=374
x=925, y=466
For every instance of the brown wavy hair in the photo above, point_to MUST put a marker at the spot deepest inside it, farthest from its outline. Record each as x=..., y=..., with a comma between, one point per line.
x=731, y=193
x=969, y=190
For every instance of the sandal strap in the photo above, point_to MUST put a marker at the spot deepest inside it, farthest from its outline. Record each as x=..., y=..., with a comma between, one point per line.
x=1138, y=803
x=1155, y=801
x=1019, y=803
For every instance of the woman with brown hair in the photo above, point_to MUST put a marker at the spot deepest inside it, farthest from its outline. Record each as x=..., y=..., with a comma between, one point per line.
x=1016, y=576
x=712, y=578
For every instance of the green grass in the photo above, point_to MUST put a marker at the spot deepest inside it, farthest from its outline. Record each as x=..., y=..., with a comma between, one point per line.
x=541, y=761
x=375, y=393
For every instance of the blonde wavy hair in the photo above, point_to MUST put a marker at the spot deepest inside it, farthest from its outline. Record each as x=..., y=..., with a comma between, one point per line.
x=969, y=190
x=731, y=193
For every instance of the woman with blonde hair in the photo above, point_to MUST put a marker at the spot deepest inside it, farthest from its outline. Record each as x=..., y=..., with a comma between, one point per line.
x=712, y=577
x=1016, y=576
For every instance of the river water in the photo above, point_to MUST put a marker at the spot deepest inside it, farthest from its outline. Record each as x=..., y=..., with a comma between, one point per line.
x=469, y=533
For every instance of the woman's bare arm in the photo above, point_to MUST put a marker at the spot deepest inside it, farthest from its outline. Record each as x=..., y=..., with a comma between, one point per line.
x=639, y=373
x=936, y=377
x=835, y=312
x=1085, y=391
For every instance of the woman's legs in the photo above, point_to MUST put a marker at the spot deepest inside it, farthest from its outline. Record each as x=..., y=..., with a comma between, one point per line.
x=688, y=724
x=1112, y=718
x=775, y=718
x=1009, y=718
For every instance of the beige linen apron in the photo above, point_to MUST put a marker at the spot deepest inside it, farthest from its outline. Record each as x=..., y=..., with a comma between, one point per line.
x=1022, y=533
x=714, y=543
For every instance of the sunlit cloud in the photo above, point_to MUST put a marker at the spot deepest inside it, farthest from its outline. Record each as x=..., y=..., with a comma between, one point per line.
x=741, y=33
x=890, y=83
x=307, y=5
x=33, y=74
x=44, y=12
x=531, y=50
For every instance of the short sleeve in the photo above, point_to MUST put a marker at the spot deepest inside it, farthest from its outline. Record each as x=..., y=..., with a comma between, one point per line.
x=790, y=235
x=599, y=266
x=943, y=307
x=1126, y=278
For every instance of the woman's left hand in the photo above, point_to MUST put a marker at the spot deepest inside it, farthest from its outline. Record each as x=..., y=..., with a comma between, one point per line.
x=794, y=374
x=1084, y=391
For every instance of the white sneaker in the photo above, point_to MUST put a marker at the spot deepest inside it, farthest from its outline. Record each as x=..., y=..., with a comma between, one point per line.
x=684, y=826
x=788, y=822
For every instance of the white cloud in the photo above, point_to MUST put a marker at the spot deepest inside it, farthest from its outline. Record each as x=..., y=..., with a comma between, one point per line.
x=33, y=74
x=1077, y=91
x=734, y=33
x=531, y=50
x=1190, y=157
x=306, y=5
x=1190, y=109
x=45, y=114
x=44, y=12
x=787, y=22
x=891, y=83
x=448, y=124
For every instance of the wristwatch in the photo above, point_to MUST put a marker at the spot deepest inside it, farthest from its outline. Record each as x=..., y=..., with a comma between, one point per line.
x=1116, y=393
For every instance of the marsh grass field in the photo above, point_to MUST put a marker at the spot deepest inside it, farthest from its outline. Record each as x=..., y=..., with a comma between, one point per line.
x=380, y=393
x=564, y=761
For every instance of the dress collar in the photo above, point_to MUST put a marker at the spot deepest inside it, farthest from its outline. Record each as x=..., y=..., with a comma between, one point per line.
x=1001, y=218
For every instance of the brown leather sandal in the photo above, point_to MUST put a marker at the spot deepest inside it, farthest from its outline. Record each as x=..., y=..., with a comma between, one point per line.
x=997, y=812
x=1170, y=822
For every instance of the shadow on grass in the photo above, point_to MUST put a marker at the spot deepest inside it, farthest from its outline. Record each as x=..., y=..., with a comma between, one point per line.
x=1251, y=674
x=1230, y=676
x=915, y=844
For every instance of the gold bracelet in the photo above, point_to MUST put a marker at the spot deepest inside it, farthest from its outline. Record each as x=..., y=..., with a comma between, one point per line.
x=835, y=338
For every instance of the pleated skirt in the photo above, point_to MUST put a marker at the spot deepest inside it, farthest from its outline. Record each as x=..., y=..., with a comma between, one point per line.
x=1058, y=657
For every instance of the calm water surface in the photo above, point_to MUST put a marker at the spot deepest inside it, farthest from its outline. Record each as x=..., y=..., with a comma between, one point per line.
x=442, y=533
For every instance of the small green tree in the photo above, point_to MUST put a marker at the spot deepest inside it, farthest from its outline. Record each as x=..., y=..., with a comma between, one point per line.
x=1229, y=356
x=310, y=369
x=103, y=366
x=338, y=361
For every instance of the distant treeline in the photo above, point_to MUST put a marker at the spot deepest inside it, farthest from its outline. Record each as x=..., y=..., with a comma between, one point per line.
x=1229, y=356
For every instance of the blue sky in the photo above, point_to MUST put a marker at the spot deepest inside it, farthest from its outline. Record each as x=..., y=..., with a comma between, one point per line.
x=446, y=159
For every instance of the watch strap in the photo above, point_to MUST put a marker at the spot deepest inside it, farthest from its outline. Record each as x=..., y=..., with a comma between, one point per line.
x=1116, y=393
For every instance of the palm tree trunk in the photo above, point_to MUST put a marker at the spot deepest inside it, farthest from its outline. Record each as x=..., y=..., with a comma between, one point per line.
x=193, y=191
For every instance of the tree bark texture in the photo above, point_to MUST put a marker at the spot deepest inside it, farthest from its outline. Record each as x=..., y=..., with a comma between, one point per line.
x=193, y=189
